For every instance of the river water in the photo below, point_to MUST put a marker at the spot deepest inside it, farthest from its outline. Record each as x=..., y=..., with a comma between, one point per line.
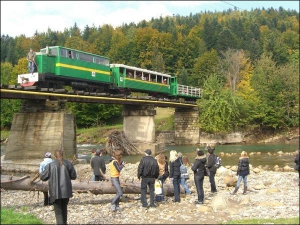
x=84, y=152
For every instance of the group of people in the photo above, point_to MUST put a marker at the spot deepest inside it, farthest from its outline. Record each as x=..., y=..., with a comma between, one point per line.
x=60, y=172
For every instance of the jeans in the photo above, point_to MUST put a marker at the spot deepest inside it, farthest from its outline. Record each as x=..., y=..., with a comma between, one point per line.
x=61, y=210
x=239, y=181
x=116, y=183
x=185, y=186
x=93, y=177
x=150, y=183
x=199, y=186
x=176, y=184
x=30, y=67
x=212, y=181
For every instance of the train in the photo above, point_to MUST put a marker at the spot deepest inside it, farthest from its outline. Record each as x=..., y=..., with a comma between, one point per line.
x=57, y=67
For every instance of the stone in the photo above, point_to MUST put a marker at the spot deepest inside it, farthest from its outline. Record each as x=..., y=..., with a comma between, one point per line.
x=219, y=202
x=259, y=187
x=287, y=168
x=204, y=208
x=234, y=168
x=256, y=170
x=272, y=190
x=230, y=181
x=271, y=204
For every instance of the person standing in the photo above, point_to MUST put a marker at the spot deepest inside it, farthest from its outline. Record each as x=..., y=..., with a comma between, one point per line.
x=30, y=59
x=243, y=172
x=175, y=174
x=211, y=160
x=184, y=173
x=92, y=156
x=198, y=168
x=45, y=162
x=98, y=165
x=163, y=174
x=148, y=170
x=59, y=174
x=296, y=161
x=116, y=165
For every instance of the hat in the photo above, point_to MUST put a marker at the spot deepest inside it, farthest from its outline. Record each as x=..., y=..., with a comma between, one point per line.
x=48, y=155
x=148, y=151
x=98, y=151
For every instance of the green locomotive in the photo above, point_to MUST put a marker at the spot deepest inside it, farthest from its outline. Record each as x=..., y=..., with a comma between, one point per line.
x=58, y=66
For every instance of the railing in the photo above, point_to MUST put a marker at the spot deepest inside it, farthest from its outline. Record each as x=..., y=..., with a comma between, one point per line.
x=188, y=91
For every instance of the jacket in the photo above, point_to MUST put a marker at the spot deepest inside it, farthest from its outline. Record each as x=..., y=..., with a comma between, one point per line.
x=243, y=166
x=175, y=168
x=44, y=163
x=211, y=160
x=199, y=165
x=148, y=168
x=97, y=163
x=115, y=167
x=59, y=179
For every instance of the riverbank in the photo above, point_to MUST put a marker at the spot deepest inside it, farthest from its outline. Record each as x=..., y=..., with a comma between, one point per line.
x=271, y=195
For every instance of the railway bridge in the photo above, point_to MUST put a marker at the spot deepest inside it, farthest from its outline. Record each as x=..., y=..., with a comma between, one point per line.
x=42, y=124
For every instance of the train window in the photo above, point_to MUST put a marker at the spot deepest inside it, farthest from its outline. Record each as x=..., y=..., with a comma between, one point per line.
x=63, y=52
x=101, y=61
x=85, y=57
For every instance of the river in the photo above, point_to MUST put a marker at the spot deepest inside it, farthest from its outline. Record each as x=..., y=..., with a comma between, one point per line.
x=84, y=152
x=190, y=151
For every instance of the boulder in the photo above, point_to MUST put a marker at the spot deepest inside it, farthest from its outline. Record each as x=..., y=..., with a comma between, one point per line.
x=230, y=181
x=256, y=170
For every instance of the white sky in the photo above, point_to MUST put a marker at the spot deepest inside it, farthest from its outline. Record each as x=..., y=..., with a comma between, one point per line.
x=25, y=17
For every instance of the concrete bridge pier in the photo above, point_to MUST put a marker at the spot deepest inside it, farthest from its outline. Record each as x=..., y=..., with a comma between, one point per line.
x=187, y=131
x=139, y=127
x=41, y=126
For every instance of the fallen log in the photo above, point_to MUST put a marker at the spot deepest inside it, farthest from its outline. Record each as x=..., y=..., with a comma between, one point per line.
x=79, y=186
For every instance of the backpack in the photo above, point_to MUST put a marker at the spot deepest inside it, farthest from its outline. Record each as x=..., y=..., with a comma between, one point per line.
x=183, y=171
x=218, y=162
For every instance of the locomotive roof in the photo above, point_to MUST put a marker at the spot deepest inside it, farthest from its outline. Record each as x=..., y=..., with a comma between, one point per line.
x=139, y=69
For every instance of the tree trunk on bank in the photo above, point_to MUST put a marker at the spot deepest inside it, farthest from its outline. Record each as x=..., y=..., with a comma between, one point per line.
x=79, y=186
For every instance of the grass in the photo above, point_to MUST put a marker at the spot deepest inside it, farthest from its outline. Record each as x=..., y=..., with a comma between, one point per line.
x=9, y=216
x=4, y=134
x=294, y=220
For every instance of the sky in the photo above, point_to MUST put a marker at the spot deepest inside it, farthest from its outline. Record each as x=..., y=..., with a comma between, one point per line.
x=26, y=17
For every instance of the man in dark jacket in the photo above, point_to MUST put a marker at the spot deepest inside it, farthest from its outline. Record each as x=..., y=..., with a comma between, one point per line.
x=98, y=165
x=147, y=170
x=59, y=174
x=297, y=165
x=211, y=160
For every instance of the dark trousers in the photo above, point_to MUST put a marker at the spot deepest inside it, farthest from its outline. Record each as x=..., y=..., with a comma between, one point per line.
x=147, y=182
x=116, y=183
x=61, y=210
x=199, y=185
x=212, y=181
x=46, y=198
x=98, y=178
x=176, y=184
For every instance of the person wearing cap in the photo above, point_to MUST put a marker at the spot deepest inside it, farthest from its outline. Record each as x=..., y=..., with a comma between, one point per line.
x=98, y=165
x=148, y=170
x=45, y=162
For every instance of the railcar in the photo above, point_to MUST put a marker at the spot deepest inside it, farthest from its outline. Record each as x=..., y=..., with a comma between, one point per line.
x=58, y=66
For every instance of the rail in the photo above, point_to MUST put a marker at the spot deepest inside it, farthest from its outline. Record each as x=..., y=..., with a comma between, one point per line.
x=188, y=90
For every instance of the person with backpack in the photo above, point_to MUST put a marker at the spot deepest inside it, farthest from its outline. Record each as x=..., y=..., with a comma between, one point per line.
x=184, y=173
x=211, y=160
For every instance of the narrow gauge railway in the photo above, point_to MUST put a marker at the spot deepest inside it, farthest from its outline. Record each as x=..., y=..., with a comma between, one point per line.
x=64, y=70
x=19, y=92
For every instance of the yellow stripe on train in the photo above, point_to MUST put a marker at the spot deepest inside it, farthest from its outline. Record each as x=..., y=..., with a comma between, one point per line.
x=82, y=68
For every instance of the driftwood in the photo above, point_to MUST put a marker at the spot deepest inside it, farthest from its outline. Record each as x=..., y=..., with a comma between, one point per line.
x=79, y=186
x=118, y=141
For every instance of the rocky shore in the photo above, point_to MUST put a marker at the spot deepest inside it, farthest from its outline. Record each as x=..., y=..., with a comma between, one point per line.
x=272, y=194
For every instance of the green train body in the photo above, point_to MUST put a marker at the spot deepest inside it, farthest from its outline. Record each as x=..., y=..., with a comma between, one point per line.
x=57, y=67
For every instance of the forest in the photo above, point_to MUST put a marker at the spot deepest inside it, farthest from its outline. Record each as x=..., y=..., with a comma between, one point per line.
x=246, y=62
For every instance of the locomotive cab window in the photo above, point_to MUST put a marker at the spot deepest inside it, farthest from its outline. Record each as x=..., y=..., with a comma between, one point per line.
x=85, y=57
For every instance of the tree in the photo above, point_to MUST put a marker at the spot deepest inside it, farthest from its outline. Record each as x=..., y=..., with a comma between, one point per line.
x=232, y=62
x=6, y=72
